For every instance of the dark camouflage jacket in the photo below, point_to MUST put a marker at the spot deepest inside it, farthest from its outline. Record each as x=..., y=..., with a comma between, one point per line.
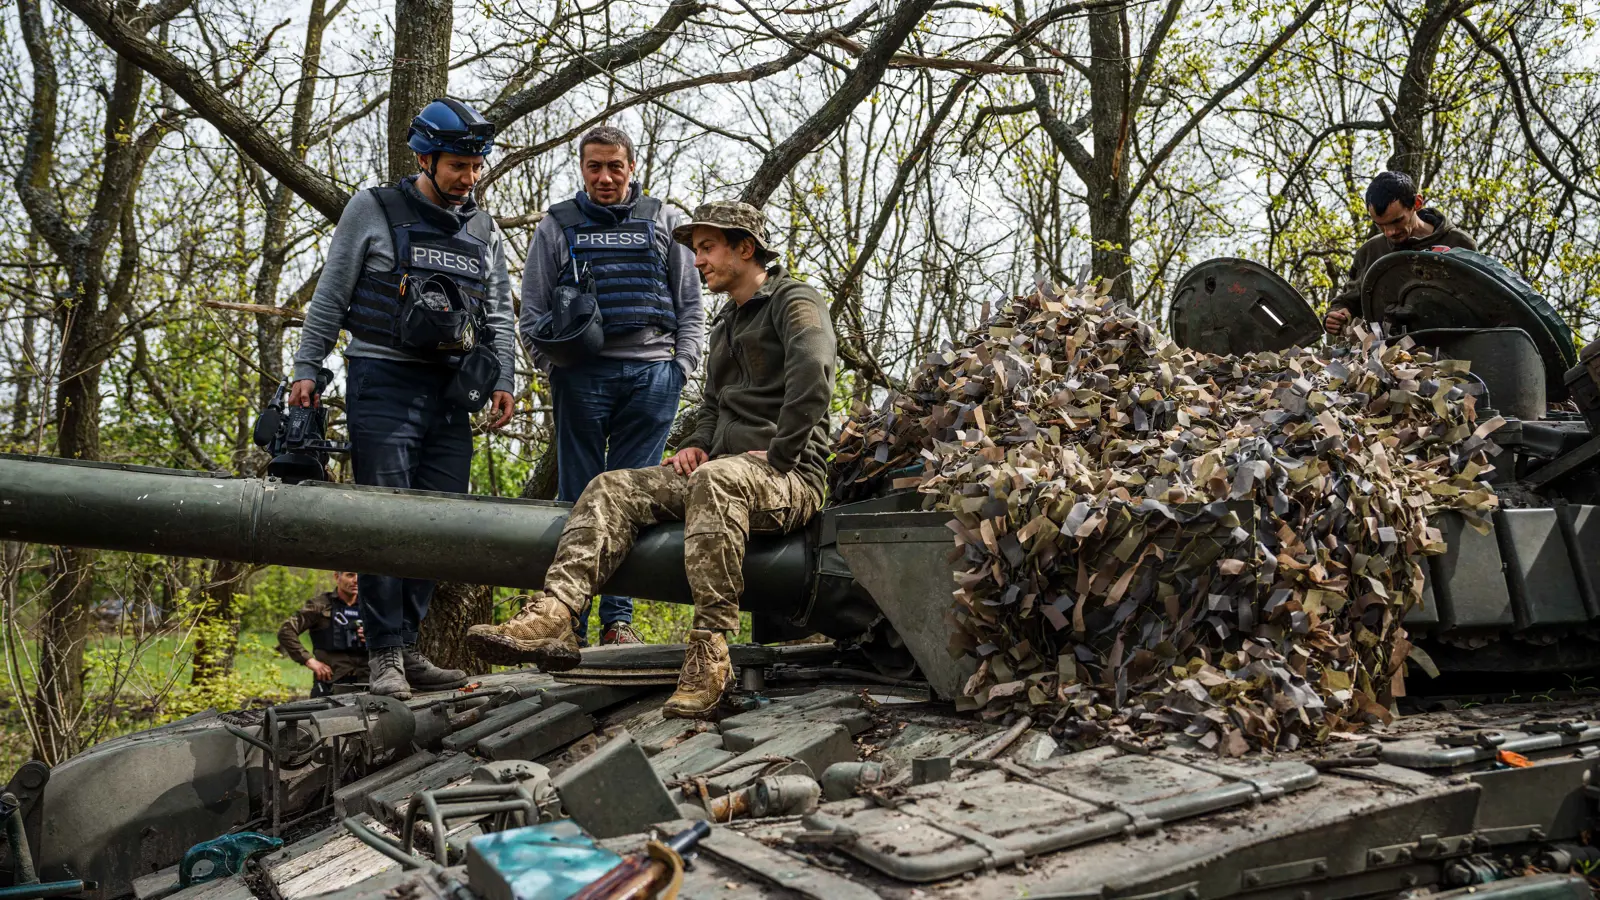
x=317, y=617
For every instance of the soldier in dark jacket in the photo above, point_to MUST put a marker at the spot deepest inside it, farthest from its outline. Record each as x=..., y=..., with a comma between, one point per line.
x=1403, y=224
x=755, y=463
x=338, y=643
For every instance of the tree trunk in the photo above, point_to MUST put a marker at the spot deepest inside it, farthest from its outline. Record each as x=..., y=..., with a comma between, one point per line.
x=63, y=631
x=216, y=633
x=421, y=72
x=543, y=483
x=455, y=608
x=64, y=627
x=1112, y=235
x=1414, y=99
x=1107, y=186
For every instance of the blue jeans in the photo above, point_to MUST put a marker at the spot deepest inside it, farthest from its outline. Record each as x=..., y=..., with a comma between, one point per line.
x=611, y=414
x=404, y=434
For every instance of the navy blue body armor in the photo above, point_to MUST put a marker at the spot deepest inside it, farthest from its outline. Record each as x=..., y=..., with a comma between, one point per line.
x=343, y=634
x=421, y=251
x=626, y=264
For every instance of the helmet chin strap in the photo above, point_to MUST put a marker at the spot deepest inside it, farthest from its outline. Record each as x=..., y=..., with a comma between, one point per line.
x=453, y=199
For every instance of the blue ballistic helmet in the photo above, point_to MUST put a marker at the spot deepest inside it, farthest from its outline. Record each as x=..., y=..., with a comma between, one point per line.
x=450, y=126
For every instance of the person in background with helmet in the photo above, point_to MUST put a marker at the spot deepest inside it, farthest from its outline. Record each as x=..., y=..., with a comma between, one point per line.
x=338, y=644
x=756, y=463
x=611, y=311
x=417, y=274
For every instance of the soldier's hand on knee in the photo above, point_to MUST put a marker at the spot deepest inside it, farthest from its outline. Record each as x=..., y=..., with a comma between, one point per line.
x=303, y=393
x=685, y=461
x=758, y=454
x=501, y=406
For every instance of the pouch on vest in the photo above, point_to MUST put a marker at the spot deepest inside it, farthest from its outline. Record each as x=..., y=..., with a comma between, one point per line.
x=436, y=315
x=571, y=331
x=475, y=379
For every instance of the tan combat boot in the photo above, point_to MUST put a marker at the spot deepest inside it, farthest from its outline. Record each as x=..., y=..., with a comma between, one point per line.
x=541, y=634
x=706, y=670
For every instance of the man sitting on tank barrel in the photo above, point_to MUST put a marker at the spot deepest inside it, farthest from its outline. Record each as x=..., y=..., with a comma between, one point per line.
x=755, y=463
x=338, y=643
x=1404, y=223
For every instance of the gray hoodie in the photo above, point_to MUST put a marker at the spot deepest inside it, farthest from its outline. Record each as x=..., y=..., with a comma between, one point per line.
x=548, y=255
x=362, y=240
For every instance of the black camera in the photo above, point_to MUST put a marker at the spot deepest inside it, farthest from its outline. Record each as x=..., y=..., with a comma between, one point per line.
x=296, y=436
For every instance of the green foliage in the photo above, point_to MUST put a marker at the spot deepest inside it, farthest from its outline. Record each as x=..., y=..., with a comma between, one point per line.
x=663, y=623
x=657, y=623
x=238, y=687
x=278, y=592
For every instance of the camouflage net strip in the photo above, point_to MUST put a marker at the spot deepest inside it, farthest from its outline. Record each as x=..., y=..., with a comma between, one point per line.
x=1149, y=539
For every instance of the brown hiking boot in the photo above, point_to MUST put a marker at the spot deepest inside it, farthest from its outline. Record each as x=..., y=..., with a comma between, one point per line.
x=706, y=670
x=620, y=633
x=541, y=634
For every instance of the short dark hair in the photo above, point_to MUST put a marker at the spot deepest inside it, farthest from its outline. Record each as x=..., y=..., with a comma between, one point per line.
x=606, y=134
x=737, y=236
x=1391, y=187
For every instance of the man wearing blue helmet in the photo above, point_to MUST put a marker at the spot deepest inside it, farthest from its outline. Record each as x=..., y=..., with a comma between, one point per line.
x=417, y=274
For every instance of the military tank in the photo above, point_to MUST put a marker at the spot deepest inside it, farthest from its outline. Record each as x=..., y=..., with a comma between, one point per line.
x=842, y=770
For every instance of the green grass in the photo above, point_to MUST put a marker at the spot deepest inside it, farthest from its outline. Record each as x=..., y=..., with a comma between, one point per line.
x=149, y=681
x=149, y=668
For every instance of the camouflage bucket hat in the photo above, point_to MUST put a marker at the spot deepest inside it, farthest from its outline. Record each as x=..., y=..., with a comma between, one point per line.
x=726, y=214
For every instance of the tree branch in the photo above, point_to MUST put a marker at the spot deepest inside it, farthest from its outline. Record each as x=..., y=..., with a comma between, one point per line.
x=318, y=190
x=38, y=157
x=1152, y=49
x=1518, y=103
x=827, y=119
x=141, y=364
x=1222, y=93
x=627, y=53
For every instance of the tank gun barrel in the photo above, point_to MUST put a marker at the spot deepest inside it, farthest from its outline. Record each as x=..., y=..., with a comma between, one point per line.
x=413, y=534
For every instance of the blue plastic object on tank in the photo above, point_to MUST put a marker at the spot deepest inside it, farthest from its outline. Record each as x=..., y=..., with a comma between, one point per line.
x=223, y=856
x=540, y=862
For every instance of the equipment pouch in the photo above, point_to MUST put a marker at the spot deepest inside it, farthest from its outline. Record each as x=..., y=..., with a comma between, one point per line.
x=435, y=315
x=475, y=379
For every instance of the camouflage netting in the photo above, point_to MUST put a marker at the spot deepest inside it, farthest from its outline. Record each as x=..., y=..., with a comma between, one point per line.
x=1150, y=540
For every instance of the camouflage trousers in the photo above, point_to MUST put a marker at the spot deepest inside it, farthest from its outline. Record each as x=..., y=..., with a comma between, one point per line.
x=720, y=505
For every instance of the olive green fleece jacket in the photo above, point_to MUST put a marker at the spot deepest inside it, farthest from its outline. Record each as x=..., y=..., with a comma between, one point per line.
x=769, y=379
x=1445, y=234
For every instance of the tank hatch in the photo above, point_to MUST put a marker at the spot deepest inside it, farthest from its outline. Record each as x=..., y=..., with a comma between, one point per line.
x=1228, y=305
x=1428, y=289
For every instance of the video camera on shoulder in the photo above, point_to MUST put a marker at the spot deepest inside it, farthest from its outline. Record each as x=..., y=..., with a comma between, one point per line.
x=297, y=436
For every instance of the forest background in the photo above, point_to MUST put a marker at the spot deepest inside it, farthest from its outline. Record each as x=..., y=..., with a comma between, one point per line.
x=175, y=167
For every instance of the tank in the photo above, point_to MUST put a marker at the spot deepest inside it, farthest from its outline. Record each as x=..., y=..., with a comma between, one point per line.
x=843, y=770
